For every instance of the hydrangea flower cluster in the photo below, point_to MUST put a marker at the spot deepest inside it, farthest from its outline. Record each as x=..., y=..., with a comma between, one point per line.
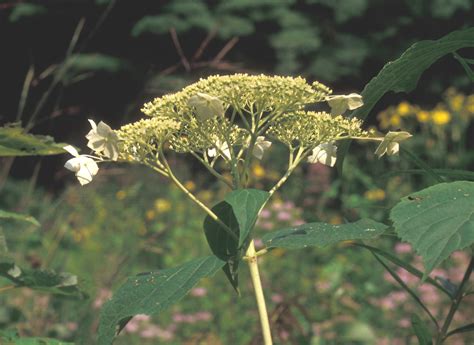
x=235, y=118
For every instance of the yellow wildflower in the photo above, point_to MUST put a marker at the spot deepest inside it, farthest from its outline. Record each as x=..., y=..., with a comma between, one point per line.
x=162, y=205
x=440, y=117
x=120, y=195
x=375, y=194
x=395, y=120
x=258, y=171
x=335, y=219
x=190, y=185
x=423, y=116
x=150, y=214
x=470, y=104
x=403, y=109
x=456, y=102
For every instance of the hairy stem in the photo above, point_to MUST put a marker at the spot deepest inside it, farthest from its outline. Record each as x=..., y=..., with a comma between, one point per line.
x=260, y=298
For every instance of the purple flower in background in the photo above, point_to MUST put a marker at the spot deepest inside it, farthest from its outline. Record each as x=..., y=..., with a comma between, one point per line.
x=199, y=292
x=284, y=216
x=277, y=298
x=258, y=243
x=265, y=214
x=403, y=248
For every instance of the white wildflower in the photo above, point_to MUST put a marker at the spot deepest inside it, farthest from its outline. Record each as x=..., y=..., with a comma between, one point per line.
x=220, y=148
x=325, y=153
x=206, y=106
x=340, y=103
x=103, y=139
x=390, y=143
x=83, y=166
x=260, y=146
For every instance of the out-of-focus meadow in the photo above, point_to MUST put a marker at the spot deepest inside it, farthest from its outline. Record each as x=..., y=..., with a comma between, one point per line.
x=112, y=56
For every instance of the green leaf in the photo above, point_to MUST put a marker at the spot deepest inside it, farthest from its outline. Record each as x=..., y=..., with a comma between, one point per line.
x=18, y=216
x=323, y=234
x=430, y=172
x=12, y=338
x=422, y=332
x=64, y=284
x=159, y=24
x=239, y=211
x=26, y=10
x=402, y=75
x=151, y=293
x=15, y=142
x=437, y=220
x=455, y=174
x=462, y=329
x=406, y=288
x=406, y=266
x=246, y=204
x=80, y=66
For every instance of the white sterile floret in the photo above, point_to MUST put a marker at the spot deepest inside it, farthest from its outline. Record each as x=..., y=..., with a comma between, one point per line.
x=390, y=143
x=340, y=103
x=206, y=106
x=325, y=153
x=220, y=148
x=102, y=139
x=260, y=146
x=85, y=168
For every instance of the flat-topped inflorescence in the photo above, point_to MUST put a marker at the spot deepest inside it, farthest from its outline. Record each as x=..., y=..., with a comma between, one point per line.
x=244, y=93
x=308, y=129
x=233, y=119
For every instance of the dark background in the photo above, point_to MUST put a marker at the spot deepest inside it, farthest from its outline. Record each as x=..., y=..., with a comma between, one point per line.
x=340, y=43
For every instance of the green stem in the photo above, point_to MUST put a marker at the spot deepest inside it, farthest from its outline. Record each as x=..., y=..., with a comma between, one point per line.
x=455, y=303
x=293, y=163
x=196, y=200
x=259, y=296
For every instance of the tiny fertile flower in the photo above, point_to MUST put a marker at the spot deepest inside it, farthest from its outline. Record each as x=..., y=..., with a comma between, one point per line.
x=220, y=148
x=260, y=146
x=206, y=106
x=340, y=103
x=390, y=144
x=103, y=139
x=325, y=153
x=84, y=167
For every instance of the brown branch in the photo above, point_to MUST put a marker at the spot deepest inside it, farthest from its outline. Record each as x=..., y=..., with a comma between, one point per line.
x=210, y=36
x=229, y=45
x=179, y=49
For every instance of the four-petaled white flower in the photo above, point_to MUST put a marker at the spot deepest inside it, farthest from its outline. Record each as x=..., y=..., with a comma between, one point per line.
x=260, y=146
x=83, y=166
x=325, y=153
x=340, y=103
x=220, y=148
x=390, y=143
x=102, y=139
x=206, y=106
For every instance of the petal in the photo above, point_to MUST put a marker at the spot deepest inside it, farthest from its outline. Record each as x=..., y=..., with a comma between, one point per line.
x=206, y=106
x=258, y=152
x=340, y=103
x=211, y=152
x=84, y=176
x=74, y=164
x=93, y=125
x=72, y=150
x=393, y=148
x=104, y=129
x=96, y=143
x=90, y=165
x=111, y=150
x=87, y=171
